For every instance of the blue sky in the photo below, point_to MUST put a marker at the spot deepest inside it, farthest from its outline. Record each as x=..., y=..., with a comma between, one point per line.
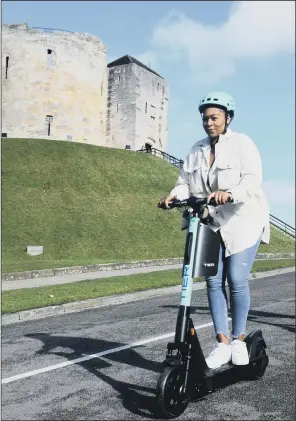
x=245, y=48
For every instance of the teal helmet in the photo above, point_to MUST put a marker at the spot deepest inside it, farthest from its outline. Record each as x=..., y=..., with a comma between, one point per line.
x=219, y=100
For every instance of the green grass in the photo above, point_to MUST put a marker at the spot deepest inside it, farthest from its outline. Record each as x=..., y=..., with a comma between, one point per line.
x=87, y=205
x=29, y=298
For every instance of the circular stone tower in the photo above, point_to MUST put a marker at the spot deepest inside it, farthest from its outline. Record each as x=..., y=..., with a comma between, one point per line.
x=54, y=85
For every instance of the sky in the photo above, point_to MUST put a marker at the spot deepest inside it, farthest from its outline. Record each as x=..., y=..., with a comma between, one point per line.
x=246, y=48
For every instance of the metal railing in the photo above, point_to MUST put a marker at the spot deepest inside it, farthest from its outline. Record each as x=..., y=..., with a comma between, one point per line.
x=278, y=223
x=50, y=30
x=169, y=158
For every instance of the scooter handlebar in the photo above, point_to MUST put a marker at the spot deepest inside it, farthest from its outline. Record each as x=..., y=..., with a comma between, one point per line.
x=192, y=202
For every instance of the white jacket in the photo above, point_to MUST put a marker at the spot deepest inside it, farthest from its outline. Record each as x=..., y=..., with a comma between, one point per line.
x=237, y=168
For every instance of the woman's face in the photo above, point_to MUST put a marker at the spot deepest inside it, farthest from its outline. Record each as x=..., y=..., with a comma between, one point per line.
x=213, y=120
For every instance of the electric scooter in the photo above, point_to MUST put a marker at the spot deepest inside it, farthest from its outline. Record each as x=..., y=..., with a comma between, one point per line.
x=186, y=375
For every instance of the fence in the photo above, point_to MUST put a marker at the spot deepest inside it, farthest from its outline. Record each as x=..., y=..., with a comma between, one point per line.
x=50, y=30
x=278, y=223
x=169, y=158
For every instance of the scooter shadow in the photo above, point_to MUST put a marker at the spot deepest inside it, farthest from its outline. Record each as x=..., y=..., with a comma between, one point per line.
x=137, y=399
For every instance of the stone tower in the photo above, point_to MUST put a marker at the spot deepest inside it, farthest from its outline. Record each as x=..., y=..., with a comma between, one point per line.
x=137, y=106
x=54, y=85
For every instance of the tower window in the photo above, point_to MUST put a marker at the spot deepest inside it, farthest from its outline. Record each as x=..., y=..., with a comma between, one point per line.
x=49, y=57
x=101, y=88
x=49, y=119
x=6, y=66
x=117, y=107
x=146, y=108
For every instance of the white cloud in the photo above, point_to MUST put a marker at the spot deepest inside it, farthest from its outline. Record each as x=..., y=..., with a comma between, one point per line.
x=253, y=30
x=279, y=192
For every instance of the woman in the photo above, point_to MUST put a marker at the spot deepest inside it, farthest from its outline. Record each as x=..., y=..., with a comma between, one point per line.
x=227, y=166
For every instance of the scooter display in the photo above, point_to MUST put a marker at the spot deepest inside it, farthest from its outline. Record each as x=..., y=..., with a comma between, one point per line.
x=186, y=375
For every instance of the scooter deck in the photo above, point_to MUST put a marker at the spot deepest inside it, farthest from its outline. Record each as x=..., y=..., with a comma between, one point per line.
x=220, y=378
x=224, y=367
x=230, y=369
x=230, y=366
x=229, y=373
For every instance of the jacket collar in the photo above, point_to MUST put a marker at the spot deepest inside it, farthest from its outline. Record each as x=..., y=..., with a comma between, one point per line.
x=205, y=145
x=225, y=136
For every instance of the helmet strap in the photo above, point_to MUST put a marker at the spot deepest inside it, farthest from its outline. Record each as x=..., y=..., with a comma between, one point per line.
x=227, y=124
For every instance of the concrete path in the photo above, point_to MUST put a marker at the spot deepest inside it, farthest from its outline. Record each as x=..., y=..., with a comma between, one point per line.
x=65, y=279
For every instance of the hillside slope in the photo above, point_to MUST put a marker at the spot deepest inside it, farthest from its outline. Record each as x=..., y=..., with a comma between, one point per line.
x=86, y=204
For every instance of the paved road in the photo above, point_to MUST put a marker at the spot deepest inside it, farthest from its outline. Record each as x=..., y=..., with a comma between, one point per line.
x=50, y=372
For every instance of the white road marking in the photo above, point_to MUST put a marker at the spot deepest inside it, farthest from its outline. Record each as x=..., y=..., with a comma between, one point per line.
x=99, y=354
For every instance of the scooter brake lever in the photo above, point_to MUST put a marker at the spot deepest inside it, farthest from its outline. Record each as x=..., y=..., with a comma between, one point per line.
x=204, y=215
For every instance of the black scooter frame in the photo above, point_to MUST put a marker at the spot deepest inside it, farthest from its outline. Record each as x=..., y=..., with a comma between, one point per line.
x=185, y=353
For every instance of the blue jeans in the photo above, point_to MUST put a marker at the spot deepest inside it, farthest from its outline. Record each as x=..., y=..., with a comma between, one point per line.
x=236, y=268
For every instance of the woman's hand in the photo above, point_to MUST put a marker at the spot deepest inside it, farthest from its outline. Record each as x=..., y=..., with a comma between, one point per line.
x=220, y=197
x=167, y=200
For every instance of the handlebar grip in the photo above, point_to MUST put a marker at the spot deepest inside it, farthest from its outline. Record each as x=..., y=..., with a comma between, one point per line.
x=213, y=203
x=162, y=206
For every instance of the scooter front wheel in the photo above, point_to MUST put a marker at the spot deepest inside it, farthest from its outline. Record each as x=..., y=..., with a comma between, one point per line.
x=171, y=398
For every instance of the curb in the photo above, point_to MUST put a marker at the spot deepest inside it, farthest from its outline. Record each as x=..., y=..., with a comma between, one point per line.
x=32, y=274
x=43, y=312
x=16, y=276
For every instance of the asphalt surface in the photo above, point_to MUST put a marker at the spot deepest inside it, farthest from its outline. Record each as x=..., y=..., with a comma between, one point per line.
x=50, y=372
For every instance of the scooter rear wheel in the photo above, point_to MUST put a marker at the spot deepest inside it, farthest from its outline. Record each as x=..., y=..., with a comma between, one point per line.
x=258, y=368
x=171, y=400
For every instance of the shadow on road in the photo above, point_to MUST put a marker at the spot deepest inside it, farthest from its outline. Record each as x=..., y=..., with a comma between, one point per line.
x=254, y=316
x=137, y=399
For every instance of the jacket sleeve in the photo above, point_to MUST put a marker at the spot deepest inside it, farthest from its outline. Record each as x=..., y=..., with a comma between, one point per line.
x=181, y=189
x=251, y=172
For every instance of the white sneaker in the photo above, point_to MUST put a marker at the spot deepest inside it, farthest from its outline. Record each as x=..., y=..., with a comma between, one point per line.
x=239, y=352
x=219, y=356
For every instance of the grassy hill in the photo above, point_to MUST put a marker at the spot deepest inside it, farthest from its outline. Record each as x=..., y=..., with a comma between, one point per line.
x=86, y=204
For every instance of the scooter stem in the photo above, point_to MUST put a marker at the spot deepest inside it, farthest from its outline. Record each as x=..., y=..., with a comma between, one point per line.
x=181, y=325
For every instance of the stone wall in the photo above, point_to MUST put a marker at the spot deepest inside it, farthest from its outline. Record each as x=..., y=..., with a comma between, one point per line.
x=137, y=107
x=54, y=78
x=151, y=109
x=121, y=107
